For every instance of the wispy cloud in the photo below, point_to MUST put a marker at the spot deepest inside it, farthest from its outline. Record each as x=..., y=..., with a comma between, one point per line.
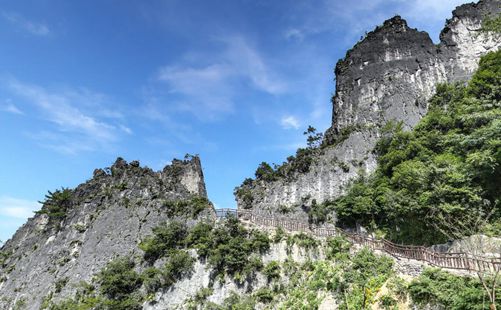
x=75, y=128
x=202, y=91
x=289, y=121
x=38, y=29
x=209, y=90
x=17, y=208
x=10, y=108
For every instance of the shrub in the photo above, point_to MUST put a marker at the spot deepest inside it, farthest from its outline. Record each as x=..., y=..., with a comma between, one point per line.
x=492, y=24
x=318, y=213
x=302, y=240
x=245, y=194
x=272, y=270
x=441, y=288
x=152, y=279
x=199, y=238
x=186, y=207
x=264, y=295
x=118, y=280
x=166, y=237
x=235, y=302
x=279, y=234
x=260, y=242
x=179, y=265
x=337, y=247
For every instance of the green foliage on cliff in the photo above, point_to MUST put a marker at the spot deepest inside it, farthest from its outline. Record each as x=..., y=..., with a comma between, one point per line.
x=436, y=287
x=492, y=24
x=445, y=172
x=118, y=280
x=354, y=281
x=118, y=289
x=189, y=208
x=166, y=238
x=228, y=248
x=56, y=204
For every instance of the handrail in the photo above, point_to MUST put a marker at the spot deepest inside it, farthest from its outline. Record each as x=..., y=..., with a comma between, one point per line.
x=461, y=261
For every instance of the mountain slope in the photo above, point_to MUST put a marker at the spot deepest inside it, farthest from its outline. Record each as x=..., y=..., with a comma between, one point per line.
x=78, y=231
x=389, y=76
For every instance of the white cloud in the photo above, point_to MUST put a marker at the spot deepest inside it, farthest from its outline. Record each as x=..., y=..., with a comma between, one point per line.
x=17, y=208
x=209, y=90
x=38, y=29
x=289, y=122
x=11, y=108
x=203, y=91
x=125, y=129
x=76, y=114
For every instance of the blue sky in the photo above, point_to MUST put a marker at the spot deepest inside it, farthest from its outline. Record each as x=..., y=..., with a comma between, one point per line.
x=237, y=82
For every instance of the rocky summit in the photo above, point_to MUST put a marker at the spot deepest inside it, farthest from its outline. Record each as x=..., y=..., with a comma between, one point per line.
x=388, y=76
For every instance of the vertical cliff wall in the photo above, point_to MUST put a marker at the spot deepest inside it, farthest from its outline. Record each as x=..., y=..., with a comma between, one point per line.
x=104, y=218
x=389, y=76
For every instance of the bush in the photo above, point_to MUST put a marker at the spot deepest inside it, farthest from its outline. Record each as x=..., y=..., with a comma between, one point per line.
x=337, y=247
x=118, y=280
x=492, y=24
x=319, y=213
x=179, y=265
x=441, y=288
x=199, y=238
x=279, y=234
x=186, y=207
x=272, y=271
x=166, y=237
x=152, y=279
x=264, y=295
x=302, y=240
x=235, y=302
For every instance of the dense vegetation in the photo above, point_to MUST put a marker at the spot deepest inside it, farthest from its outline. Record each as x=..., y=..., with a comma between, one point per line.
x=434, y=286
x=229, y=249
x=117, y=289
x=189, y=208
x=446, y=172
x=355, y=281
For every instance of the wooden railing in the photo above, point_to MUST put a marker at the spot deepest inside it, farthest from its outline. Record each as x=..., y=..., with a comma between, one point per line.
x=461, y=261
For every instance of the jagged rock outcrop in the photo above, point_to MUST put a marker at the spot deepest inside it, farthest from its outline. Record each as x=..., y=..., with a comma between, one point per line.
x=388, y=76
x=103, y=218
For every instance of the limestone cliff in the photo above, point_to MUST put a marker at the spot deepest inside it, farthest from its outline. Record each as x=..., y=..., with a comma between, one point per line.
x=103, y=218
x=388, y=76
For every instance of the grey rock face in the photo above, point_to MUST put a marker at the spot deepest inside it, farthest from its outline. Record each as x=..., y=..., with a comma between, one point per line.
x=389, y=76
x=108, y=217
